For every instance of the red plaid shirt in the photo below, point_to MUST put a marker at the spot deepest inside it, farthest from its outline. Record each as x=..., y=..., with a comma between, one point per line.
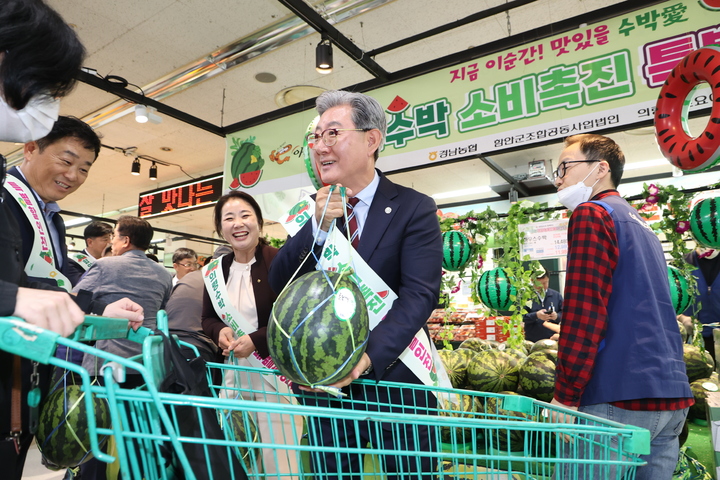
x=588, y=284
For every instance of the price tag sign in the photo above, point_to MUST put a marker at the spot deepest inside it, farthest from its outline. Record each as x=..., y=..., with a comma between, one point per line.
x=544, y=239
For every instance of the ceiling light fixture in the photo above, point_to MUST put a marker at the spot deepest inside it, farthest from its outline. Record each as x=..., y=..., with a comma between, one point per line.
x=513, y=196
x=324, y=57
x=135, y=167
x=153, y=171
x=144, y=114
x=141, y=114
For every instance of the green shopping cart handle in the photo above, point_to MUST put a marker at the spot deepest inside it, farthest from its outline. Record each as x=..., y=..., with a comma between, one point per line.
x=26, y=340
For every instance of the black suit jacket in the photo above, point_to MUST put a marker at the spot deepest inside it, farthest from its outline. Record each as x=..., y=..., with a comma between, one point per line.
x=401, y=242
x=27, y=233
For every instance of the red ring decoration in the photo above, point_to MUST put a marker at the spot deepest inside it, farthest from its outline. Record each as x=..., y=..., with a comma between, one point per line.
x=682, y=150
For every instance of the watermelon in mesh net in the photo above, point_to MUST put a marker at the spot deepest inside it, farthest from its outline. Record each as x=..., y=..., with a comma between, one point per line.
x=318, y=328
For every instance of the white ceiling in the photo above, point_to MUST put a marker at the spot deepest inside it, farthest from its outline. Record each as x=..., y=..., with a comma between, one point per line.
x=148, y=41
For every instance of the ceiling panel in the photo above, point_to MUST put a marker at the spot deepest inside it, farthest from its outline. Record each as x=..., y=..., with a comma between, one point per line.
x=145, y=42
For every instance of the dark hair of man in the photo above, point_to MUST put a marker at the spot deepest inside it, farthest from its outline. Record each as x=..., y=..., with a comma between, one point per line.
x=153, y=257
x=600, y=147
x=138, y=230
x=71, y=127
x=182, y=253
x=367, y=114
x=41, y=53
x=97, y=229
x=217, y=212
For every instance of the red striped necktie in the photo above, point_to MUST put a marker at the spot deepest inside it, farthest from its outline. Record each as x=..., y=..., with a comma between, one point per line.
x=352, y=222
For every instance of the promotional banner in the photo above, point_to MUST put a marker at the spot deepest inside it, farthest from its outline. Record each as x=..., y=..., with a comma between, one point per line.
x=600, y=75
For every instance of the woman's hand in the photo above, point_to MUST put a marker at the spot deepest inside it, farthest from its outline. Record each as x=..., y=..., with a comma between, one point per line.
x=225, y=338
x=243, y=347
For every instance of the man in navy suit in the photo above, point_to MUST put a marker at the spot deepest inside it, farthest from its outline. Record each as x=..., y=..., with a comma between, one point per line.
x=53, y=167
x=400, y=240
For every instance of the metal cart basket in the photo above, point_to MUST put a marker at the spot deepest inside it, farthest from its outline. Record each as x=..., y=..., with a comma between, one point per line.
x=438, y=434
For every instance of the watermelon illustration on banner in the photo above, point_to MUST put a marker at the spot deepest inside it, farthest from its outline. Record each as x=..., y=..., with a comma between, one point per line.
x=705, y=222
x=298, y=215
x=679, y=291
x=310, y=165
x=456, y=250
x=318, y=328
x=495, y=289
x=247, y=163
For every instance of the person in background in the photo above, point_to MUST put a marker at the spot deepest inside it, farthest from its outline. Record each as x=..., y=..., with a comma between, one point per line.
x=184, y=261
x=128, y=273
x=108, y=251
x=53, y=167
x=543, y=319
x=40, y=57
x=620, y=354
x=707, y=263
x=184, y=310
x=97, y=237
x=246, y=294
x=398, y=235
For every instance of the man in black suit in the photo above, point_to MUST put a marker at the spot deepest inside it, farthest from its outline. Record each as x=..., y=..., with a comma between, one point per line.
x=400, y=240
x=53, y=167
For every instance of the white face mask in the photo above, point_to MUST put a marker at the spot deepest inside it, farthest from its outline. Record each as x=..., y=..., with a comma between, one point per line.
x=574, y=195
x=31, y=123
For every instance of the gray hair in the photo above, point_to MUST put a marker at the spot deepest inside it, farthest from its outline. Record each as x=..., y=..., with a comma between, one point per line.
x=366, y=111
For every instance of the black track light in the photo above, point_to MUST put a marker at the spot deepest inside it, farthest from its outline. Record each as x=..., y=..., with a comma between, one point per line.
x=324, y=57
x=153, y=171
x=135, y=167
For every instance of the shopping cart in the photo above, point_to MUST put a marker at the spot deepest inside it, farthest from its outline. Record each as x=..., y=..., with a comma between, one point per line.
x=445, y=434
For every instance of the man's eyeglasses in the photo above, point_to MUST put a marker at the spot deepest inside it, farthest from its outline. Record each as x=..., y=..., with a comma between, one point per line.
x=563, y=167
x=189, y=265
x=329, y=136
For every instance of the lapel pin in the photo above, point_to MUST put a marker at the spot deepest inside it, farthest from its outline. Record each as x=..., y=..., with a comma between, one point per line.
x=388, y=209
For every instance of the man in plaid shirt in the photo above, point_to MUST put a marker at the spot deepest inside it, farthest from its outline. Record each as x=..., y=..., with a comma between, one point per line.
x=620, y=353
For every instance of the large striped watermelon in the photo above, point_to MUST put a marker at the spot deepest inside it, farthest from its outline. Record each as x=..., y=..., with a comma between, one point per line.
x=676, y=144
x=493, y=371
x=700, y=390
x=545, y=344
x=455, y=363
x=679, y=290
x=458, y=405
x=705, y=222
x=244, y=429
x=500, y=438
x=456, y=250
x=63, y=434
x=318, y=328
x=495, y=289
x=537, y=375
x=476, y=344
x=698, y=364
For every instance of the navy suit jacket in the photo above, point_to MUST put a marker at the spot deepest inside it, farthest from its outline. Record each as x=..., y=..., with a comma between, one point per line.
x=402, y=243
x=534, y=329
x=28, y=237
